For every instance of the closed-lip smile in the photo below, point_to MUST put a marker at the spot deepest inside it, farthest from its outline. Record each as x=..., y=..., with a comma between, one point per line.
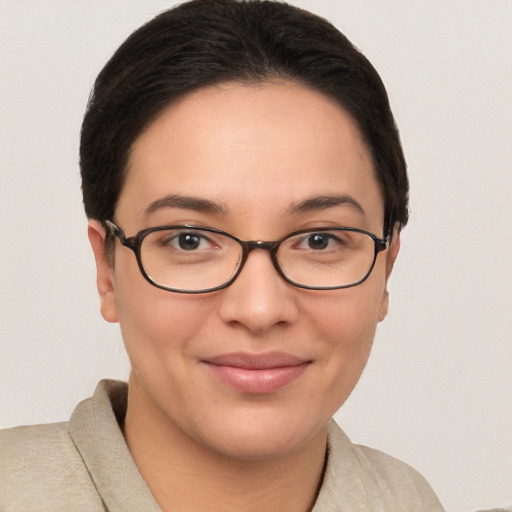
x=256, y=373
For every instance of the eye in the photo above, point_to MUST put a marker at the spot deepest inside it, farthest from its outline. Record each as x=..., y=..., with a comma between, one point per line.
x=319, y=241
x=188, y=241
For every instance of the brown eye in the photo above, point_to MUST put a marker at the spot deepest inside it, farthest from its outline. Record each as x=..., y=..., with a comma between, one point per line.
x=188, y=241
x=318, y=241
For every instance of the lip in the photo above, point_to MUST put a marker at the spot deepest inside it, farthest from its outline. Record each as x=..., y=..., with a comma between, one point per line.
x=256, y=373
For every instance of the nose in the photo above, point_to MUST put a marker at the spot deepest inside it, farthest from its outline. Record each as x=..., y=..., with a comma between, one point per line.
x=259, y=299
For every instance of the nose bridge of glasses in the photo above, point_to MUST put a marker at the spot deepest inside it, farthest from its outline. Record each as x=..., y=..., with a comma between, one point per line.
x=259, y=244
x=251, y=245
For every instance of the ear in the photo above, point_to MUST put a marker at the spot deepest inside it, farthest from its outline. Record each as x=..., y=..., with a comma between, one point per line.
x=104, y=271
x=391, y=255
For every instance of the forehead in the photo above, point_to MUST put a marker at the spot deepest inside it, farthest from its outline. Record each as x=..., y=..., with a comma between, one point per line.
x=250, y=148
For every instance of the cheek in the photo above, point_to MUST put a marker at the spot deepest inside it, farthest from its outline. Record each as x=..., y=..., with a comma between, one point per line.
x=155, y=324
x=350, y=316
x=346, y=332
x=345, y=324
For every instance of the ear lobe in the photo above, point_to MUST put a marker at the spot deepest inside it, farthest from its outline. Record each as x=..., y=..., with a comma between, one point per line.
x=391, y=256
x=384, y=306
x=104, y=271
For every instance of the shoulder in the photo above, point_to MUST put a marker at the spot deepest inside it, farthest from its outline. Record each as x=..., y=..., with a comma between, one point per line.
x=35, y=437
x=83, y=465
x=34, y=449
x=40, y=469
x=396, y=478
x=361, y=478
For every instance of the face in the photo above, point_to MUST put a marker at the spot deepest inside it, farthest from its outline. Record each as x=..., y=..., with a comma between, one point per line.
x=256, y=369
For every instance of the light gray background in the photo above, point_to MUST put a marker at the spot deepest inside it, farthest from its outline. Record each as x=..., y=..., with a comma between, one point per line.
x=437, y=392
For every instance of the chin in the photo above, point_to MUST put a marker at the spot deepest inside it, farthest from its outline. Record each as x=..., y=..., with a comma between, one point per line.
x=254, y=440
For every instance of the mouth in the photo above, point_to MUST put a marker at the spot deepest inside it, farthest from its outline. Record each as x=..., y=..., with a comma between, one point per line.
x=256, y=373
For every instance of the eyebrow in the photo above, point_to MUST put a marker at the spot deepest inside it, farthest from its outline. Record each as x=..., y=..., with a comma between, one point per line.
x=199, y=204
x=188, y=202
x=324, y=202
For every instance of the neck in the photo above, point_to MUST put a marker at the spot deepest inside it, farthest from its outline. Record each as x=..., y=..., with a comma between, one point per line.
x=185, y=475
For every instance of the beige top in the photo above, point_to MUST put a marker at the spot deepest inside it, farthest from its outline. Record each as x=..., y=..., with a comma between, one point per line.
x=84, y=465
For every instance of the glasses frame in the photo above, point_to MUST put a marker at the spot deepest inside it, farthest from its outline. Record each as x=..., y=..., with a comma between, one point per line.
x=134, y=243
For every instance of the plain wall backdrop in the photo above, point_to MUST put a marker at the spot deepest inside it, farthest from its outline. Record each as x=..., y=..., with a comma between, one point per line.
x=437, y=391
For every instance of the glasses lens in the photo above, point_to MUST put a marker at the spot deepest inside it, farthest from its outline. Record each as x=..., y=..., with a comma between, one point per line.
x=188, y=259
x=327, y=258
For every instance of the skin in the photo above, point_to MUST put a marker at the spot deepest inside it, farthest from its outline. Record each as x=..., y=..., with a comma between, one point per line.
x=256, y=151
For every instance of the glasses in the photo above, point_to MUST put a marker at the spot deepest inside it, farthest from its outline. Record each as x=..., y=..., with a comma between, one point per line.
x=190, y=259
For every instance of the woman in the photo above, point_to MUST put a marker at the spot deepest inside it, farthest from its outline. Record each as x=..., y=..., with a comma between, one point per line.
x=245, y=188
